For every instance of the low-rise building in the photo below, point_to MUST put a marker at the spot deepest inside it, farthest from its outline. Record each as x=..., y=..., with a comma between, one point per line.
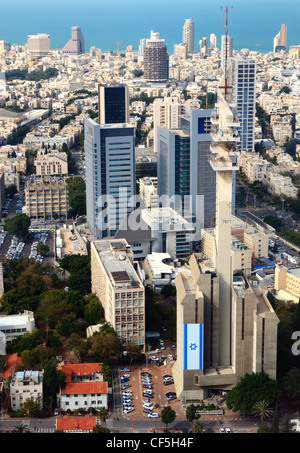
x=84, y=387
x=287, y=283
x=26, y=385
x=51, y=164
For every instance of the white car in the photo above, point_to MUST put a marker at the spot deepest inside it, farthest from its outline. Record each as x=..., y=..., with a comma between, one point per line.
x=126, y=375
x=228, y=430
x=221, y=430
x=152, y=357
x=127, y=411
x=124, y=370
x=153, y=415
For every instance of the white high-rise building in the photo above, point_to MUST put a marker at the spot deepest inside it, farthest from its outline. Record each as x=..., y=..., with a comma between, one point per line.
x=110, y=175
x=38, y=45
x=188, y=34
x=213, y=41
x=229, y=52
x=243, y=81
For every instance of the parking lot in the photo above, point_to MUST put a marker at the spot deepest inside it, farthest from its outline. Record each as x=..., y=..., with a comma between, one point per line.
x=147, y=389
x=12, y=247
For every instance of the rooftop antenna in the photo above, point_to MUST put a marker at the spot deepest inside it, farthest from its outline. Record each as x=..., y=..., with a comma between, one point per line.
x=226, y=51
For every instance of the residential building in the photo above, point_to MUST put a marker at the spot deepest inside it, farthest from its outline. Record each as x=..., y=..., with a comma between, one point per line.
x=253, y=165
x=188, y=34
x=181, y=50
x=26, y=386
x=110, y=175
x=156, y=59
x=38, y=45
x=75, y=46
x=113, y=104
x=213, y=39
x=84, y=387
x=54, y=163
x=119, y=288
x=46, y=197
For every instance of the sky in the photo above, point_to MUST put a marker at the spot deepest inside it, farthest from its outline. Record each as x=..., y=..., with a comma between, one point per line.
x=104, y=23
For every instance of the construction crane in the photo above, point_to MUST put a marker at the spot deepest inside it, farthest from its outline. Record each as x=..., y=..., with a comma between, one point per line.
x=118, y=47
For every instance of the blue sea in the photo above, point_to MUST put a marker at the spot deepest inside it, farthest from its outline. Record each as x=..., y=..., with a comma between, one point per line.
x=252, y=23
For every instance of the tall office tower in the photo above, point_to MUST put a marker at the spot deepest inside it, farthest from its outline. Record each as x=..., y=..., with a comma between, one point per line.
x=38, y=45
x=225, y=327
x=280, y=39
x=226, y=54
x=213, y=39
x=244, y=94
x=75, y=46
x=188, y=34
x=113, y=104
x=156, y=59
x=110, y=175
x=183, y=167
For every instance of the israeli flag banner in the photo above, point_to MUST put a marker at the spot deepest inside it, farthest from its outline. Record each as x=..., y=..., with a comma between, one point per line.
x=193, y=347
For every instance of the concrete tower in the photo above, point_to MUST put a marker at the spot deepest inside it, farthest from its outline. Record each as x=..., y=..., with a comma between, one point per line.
x=76, y=44
x=188, y=34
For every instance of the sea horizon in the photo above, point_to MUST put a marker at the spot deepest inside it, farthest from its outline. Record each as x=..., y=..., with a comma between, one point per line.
x=253, y=24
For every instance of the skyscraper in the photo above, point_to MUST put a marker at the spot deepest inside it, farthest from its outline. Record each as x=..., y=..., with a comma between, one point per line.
x=38, y=45
x=243, y=82
x=113, y=104
x=156, y=59
x=75, y=46
x=213, y=41
x=110, y=175
x=226, y=53
x=225, y=328
x=280, y=39
x=188, y=34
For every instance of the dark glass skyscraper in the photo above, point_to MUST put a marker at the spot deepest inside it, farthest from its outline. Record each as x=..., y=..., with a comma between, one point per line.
x=113, y=104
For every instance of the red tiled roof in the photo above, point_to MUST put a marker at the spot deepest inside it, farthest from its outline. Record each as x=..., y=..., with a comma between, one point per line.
x=12, y=361
x=82, y=369
x=79, y=388
x=68, y=423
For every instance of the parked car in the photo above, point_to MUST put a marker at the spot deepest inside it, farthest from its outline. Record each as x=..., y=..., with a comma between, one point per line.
x=153, y=415
x=124, y=370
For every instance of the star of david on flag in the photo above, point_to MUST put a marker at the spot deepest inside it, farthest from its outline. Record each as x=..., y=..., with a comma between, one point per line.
x=193, y=347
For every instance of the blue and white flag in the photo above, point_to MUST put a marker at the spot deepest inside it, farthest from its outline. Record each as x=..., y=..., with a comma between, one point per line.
x=193, y=347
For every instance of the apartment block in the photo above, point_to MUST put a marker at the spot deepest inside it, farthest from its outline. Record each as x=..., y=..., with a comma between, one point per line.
x=119, y=289
x=148, y=191
x=51, y=164
x=287, y=283
x=26, y=385
x=46, y=197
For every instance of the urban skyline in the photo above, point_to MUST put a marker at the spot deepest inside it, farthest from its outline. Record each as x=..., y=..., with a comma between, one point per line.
x=207, y=20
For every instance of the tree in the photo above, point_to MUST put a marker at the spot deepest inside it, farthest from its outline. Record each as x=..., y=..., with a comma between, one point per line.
x=133, y=351
x=18, y=225
x=263, y=410
x=42, y=249
x=93, y=312
x=197, y=427
x=53, y=379
x=250, y=389
x=103, y=414
x=168, y=415
x=191, y=413
x=104, y=346
x=21, y=428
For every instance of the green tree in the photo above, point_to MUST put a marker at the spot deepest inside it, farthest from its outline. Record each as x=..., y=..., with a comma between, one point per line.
x=18, y=225
x=191, y=413
x=93, y=312
x=250, y=389
x=262, y=409
x=197, y=427
x=53, y=379
x=103, y=414
x=42, y=249
x=133, y=351
x=22, y=428
x=168, y=415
